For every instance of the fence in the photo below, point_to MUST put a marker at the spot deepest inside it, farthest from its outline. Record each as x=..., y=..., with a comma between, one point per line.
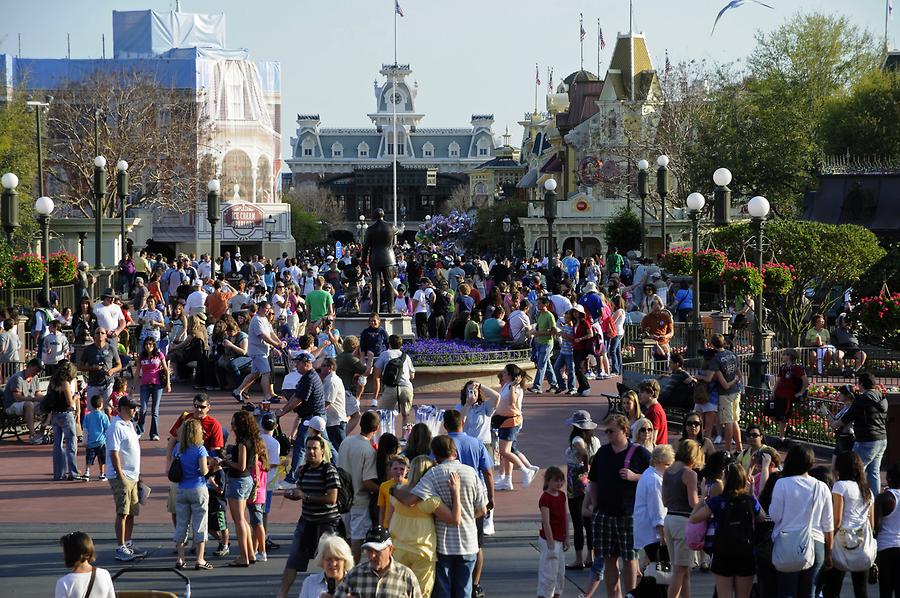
x=475, y=357
x=27, y=297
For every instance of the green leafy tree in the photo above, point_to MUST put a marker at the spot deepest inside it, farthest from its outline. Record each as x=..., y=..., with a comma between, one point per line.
x=488, y=237
x=305, y=226
x=18, y=154
x=623, y=231
x=867, y=120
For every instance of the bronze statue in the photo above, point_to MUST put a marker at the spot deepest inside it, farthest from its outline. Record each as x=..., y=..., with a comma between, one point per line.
x=378, y=252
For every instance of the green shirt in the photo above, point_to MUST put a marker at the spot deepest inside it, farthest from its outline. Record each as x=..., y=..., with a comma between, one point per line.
x=472, y=331
x=318, y=302
x=545, y=321
x=616, y=262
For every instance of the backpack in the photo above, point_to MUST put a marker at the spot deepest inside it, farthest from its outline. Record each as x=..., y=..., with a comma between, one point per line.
x=733, y=540
x=32, y=320
x=345, y=492
x=390, y=375
x=441, y=304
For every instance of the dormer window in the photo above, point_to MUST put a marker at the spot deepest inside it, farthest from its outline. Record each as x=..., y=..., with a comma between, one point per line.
x=484, y=146
x=362, y=150
x=428, y=150
x=308, y=146
x=337, y=150
x=453, y=150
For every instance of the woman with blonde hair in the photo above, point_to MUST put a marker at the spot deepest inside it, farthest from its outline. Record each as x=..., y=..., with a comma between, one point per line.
x=192, y=498
x=412, y=528
x=336, y=559
x=632, y=408
x=680, y=494
x=644, y=434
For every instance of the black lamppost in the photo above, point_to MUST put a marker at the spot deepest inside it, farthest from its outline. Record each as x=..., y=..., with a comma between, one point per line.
x=758, y=207
x=722, y=177
x=270, y=224
x=550, y=215
x=44, y=207
x=212, y=216
x=122, y=192
x=643, y=191
x=99, y=193
x=662, y=188
x=695, y=203
x=507, y=226
x=39, y=108
x=10, y=206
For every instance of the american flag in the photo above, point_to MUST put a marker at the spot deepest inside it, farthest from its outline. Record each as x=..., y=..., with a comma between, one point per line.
x=397, y=8
x=537, y=75
x=668, y=64
x=581, y=25
x=602, y=41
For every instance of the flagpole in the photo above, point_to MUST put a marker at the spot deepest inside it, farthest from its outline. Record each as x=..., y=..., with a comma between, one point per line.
x=536, y=85
x=887, y=15
x=581, y=37
x=598, y=48
x=631, y=46
x=394, y=115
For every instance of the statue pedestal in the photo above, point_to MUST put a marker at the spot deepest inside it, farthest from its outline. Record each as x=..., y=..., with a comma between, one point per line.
x=393, y=324
x=102, y=281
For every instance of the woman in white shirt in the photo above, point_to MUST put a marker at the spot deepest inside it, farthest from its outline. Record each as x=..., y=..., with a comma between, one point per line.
x=887, y=526
x=336, y=560
x=800, y=501
x=853, y=502
x=649, y=513
x=78, y=551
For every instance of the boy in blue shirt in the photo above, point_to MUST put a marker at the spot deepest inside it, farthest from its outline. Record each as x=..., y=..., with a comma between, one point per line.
x=94, y=426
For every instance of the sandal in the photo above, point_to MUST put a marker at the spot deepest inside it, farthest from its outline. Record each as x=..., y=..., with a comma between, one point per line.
x=206, y=566
x=237, y=564
x=180, y=565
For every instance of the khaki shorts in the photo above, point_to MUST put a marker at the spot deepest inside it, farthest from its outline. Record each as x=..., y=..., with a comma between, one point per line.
x=679, y=553
x=125, y=493
x=730, y=408
x=360, y=522
x=397, y=398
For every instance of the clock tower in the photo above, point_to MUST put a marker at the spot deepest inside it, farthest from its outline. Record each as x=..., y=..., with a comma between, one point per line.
x=395, y=95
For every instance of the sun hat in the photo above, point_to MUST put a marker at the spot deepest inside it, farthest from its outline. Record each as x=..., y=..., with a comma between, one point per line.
x=581, y=419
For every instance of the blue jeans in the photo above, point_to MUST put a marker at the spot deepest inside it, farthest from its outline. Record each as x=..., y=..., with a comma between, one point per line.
x=151, y=395
x=567, y=360
x=614, y=351
x=871, y=453
x=542, y=362
x=336, y=434
x=64, y=444
x=802, y=584
x=453, y=576
x=298, y=453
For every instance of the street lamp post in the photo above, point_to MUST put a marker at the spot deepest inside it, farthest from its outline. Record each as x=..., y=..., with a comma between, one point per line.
x=550, y=215
x=10, y=206
x=44, y=207
x=271, y=223
x=122, y=192
x=722, y=178
x=99, y=193
x=507, y=226
x=212, y=215
x=662, y=188
x=643, y=191
x=758, y=207
x=695, y=203
x=39, y=108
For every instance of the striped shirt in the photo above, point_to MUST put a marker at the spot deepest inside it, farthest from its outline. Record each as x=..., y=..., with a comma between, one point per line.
x=397, y=582
x=565, y=344
x=459, y=539
x=317, y=481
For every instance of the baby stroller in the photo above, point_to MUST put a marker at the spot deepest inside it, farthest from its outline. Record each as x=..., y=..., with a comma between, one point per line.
x=152, y=593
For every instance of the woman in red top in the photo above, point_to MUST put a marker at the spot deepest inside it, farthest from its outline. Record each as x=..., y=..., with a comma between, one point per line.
x=582, y=337
x=791, y=385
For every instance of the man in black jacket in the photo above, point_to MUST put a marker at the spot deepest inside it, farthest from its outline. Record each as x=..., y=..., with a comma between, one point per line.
x=868, y=414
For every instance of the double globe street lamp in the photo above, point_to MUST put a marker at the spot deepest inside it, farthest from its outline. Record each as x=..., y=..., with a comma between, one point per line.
x=758, y=207
x=44, y=208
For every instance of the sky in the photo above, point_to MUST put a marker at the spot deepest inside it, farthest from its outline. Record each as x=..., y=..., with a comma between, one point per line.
x=468, y=56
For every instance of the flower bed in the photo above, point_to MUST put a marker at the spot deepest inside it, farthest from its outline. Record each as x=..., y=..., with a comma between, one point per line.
x=433, y=352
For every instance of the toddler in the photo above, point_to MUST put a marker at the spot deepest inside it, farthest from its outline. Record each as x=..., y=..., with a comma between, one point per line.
x=398, y=466
x=215, y=483
x=95, y=425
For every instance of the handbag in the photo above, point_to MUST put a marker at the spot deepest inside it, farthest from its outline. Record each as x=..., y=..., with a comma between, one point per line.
x=793, y=551
x=695, y=534
x=176, y=472
x=854, y=550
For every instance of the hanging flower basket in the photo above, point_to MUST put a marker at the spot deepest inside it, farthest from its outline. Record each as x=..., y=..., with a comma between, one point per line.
x=778, y=278
x=711, y=263
x=28, y=269
x=63, y=267
x=880, y=316
x=679, y=262
x=742, y=278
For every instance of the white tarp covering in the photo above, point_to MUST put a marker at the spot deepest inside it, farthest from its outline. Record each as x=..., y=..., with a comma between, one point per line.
x=146, y=33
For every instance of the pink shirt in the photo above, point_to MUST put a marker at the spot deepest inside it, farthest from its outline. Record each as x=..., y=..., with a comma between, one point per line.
x=150, y=370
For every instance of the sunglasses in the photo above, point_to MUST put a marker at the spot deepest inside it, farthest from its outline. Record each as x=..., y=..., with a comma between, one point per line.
x=647, y=430
x=692, y=424
x=197, y=406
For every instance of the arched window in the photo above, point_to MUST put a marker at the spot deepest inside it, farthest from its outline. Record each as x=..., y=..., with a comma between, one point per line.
x=428, y=150
x=453, y=150
x=362, y=150
x=264, y=190
x=237, y=170
x=308, y=147
x=484, y=146
x=479, y=188
x=337, y=150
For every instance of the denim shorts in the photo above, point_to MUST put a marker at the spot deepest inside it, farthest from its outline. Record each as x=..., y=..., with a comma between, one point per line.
x=508, y=433
x=255, y=514
x=239, y=488
x=259, y=364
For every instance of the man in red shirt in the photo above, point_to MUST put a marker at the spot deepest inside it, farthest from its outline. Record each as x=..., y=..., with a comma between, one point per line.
x=648, y=393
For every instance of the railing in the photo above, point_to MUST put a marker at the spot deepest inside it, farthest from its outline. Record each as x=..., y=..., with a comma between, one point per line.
x=475, y=357
x=809, y=419
x=27, y=297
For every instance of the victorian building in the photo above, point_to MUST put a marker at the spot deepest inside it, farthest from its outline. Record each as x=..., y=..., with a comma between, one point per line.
x=356, y=164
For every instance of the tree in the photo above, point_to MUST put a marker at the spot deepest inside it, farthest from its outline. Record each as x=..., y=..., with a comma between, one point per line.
x=885, y=272
x=318, y=201
x=623, y=231
x=305, y=226
x=865, y=122
x=460, y=200
x=488, y=236
x=158, y=130
x=18, y=154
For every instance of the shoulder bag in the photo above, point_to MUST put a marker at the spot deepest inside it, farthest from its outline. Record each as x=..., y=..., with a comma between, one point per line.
x=90, y=587
x=793, y=550
x=176, y=472
x=854, y=550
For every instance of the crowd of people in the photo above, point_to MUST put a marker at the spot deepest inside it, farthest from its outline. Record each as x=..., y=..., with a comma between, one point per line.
x=420, y=504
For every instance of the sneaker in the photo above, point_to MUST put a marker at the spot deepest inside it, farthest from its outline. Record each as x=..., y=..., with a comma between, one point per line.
x=503, y=484
x=222, y=550
x=534, y=468
x=124, y=553
x=591, y=375
x=603, y=376
x=36, y=439
x=489, y=523
x=572, y=392
x=536, y=391
x=527, y=477
x=137, y=552
x=270, y=545
x=553, y=389
x=585, y=393
x=87, y=473
x=262, y=557
x=102, y=477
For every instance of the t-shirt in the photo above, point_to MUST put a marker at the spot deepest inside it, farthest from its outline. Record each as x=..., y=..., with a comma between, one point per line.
x=492, y=329
x=726, y=362
x=107, y=356
x=95, y=425
x=237, y=302
x=658, y=324
x=273, y=450
x=384, y=497
x=472, y=452
x=317, y=481
x=108, y=316
x=122, y=437
x=405, y=372
x=335, y=401
x=319, y=302
x=75, y=585
x=811, y=334
x=150, y=369
x=9, y=347
x=55, y=348
x=330, y=350
x=799, y=502
x=657, y=416
x=545, y=321
x=145, y=318
x=616, y=496
x=374, y=340
x=454, y=539
x=856, y=510
x=790, y=381
x=190, y=465
x=311, y=394
x=357, y=457
x=18, y=382
x=256, y=347
x=478, y=421
x=213, y=438
x=557, y=507
x=423, y=299
x=518, y=323
x=347, y=366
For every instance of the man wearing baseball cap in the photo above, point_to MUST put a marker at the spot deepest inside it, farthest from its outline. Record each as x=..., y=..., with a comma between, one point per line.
x=123, y=456
x=308, y=400
x=380, y=575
